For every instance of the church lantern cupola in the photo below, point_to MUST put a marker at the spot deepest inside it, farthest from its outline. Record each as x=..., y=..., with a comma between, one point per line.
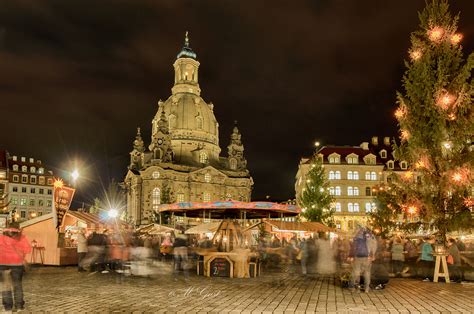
x=186, y=71
x=137, y=153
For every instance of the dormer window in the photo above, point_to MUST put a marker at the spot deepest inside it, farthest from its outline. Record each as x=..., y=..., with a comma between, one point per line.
x=390, y=164
x=334, y=159
x=383, y=153
x=352, y=159
x=203, y=158
x=403, y=165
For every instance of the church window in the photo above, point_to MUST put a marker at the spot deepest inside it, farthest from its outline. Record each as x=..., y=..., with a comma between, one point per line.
x=155, y=175
x=199, y=122
x=207, y=177
x=203, y=158
x=233, y=164
x=155, y=199
x=206, y=197
x=180, y=197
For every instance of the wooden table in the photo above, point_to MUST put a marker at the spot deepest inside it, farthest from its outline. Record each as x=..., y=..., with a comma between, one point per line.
x=238, y=262
x=441, y=259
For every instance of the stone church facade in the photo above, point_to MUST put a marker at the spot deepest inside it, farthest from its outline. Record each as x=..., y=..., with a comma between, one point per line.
x=182, y=163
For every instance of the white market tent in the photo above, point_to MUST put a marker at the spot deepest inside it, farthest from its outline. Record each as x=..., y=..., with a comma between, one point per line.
x=210, y=227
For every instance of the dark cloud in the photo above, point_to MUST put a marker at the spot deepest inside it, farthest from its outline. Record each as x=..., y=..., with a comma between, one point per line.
x=77, y=77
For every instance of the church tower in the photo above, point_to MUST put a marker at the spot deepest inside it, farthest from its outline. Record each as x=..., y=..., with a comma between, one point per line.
x=182, y=163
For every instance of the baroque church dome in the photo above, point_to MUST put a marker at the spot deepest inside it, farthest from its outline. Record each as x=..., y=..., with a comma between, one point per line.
x=193, y=127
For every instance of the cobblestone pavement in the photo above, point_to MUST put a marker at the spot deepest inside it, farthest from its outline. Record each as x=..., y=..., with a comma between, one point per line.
x=55, y=289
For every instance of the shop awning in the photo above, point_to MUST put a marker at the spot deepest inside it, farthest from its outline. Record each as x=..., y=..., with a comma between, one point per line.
x=156, y=229
x=203, y=228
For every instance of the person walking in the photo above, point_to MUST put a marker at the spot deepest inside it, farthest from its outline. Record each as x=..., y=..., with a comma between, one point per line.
x=13, y=248
x=180, y=251
x=304, y=255
x=81, y=249
x=398, y=257
x=361, y=256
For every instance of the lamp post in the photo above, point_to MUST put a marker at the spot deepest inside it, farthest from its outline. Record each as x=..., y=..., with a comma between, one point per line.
x=74, y=176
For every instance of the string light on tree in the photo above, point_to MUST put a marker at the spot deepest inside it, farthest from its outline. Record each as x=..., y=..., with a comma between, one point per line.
x=446, y=100
x=405, y=135
x=400, y=113
x=412, y=210
x=456, y=38
x=452, y=116
x=436, y=33
x=415, y=54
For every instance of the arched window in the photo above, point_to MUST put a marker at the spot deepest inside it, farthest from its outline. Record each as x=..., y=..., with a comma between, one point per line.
x=24, y=168
x=350, y=207
x=233, y=165
x=350, y=190
x=331, y=175
x=15, y=167
x=206, y=197
x=338, y=190
x=368, y=207
x=155, y=175
x=367, y=191
x=155, y=198
x=337, y=175
x=203, y=157
x=367, y=175
x=373, y=176
x=33, y=169
x=356, y=190
x=199, y=122
x=331, y=191
x=207, y=177
x=338, y=207
x=356, y=207
x=349, y=175
x=355, y=175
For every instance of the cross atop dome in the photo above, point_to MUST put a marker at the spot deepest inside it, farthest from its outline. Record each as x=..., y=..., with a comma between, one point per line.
x=186, y=52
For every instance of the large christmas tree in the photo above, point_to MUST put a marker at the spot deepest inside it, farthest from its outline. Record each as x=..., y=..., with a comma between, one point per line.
x=436, y=125
x=315, y=199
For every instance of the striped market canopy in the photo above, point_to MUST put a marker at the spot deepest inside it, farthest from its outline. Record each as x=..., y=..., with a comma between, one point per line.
x=231, y=209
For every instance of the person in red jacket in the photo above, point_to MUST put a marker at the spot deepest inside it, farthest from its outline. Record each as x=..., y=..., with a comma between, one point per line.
x=13, y=248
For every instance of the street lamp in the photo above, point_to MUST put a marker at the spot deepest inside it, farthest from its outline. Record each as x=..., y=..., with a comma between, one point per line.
x=75, y=175
x=113, y=213
x=316, y=144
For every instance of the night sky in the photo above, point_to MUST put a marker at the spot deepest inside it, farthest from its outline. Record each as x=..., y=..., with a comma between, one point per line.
x=78, y=77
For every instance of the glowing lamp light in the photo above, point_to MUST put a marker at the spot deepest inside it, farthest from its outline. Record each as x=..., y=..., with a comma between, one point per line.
x=75, y=175
x=412, y=210
x=436, y=33
x=445, y=101
x=415, y=54
x=112, y=213
x=224, y=239
x=457, y=177
x=447, y=145
x=452, y=116
x=58, y=183
x=456, y=38
x=408, y=175
x=420, y=164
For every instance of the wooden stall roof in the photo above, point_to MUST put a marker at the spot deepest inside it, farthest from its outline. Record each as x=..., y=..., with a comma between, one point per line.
x=307, y=226
x=203, y=228
x=93, y=219
x=156, y=229
x=36, y=220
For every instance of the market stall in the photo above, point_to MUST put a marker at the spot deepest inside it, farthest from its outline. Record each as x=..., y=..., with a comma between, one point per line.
x=230, y=256
x=53, y=246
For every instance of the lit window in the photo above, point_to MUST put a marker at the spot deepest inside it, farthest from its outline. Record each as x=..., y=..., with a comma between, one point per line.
x=16, y=179
x=155, y=174
x=155, y=199
x=14, y=201
x=373, y=176
x=32, y=160
x=24, y=168
x=367, y=175
x=23, y=201
x=338, y=207
x=23, y=159
x=350, y=207
x=355, y=175
x=41, y=180
x=338, y=224
x=180, y=197
x=331, y=175
x=356, y=191
x=206, y=197
x=203, y=158
x=207, y=177
x=33, y=169
x=33, y=179
x=41, y=191
x=233, y=165
x=337, y=175
x=356, y=207
x=368, y=207
x=50, y=181
x=15, y=167
x=331, y=191
x=40, y=170
x=349, y=175
x=350, y=190
x=337, y=191
x=15, y=158
x=390, y=164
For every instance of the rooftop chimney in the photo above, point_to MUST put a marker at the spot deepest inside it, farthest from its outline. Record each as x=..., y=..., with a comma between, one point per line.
x=375, y=140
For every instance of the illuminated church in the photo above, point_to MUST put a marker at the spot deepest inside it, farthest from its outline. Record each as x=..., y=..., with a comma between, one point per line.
x=183, y=158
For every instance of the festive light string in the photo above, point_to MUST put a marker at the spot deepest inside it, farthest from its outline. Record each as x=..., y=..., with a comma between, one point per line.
x=415, y=54
x=456, y=38
x=436, y=33
x=405, y=135
x=445, y=100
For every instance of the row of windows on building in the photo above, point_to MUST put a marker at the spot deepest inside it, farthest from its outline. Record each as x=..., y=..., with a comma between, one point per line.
x=207, y=176
x=369, y=161
x=353, y=175
x=32, y=190
x=351, y=190
x=355, y=207
x=33, y=169
x=32, y=179
x=351, y=224
x=23, y=201
x=31, y=214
